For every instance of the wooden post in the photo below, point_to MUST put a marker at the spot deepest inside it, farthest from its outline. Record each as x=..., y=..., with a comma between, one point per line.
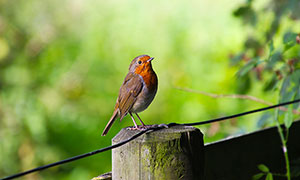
x=174, y=153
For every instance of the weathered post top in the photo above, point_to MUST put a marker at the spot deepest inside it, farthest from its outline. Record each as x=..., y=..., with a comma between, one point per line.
x=173, y=153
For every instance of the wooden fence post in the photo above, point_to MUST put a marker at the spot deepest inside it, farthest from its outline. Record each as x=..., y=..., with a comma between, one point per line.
x=174, y=153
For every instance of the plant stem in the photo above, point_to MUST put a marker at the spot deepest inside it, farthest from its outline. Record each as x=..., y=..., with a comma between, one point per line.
x=284, y=146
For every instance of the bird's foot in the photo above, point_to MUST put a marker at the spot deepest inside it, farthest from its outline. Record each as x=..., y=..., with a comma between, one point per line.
x=139, y=127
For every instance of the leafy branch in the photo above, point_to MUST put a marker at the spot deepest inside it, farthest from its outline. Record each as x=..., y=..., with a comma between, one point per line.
x=271, y=56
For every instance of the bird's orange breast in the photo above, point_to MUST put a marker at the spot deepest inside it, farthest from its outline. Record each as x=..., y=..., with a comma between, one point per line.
x=148, y=76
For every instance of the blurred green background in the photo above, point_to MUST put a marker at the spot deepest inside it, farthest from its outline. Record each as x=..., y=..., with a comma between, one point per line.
x=62, y=63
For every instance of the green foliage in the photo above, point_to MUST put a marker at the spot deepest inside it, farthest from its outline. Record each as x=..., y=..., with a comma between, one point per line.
x=288, y=117
x=265, y=172
x=247, y=13
x=277, y=44
x=263, y=168
x=282, y=60
x=258, y=176
x=269, y=176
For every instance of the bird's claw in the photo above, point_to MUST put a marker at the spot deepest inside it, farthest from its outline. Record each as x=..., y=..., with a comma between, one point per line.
x=163, y=126
x=138, y=128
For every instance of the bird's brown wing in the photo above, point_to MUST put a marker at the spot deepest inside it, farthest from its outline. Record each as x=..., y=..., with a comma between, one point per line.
x=130, y=89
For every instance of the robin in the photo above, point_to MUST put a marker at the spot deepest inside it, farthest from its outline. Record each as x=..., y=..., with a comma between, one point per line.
x=137, y=91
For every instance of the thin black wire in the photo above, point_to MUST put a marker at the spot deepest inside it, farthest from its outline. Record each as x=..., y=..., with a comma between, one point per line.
x=77, y=157
x=155, y=128
x=241, y=114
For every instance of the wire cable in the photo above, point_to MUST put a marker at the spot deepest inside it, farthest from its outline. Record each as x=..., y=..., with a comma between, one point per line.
x=151, y=129
x=77, y=157
x=241, y=114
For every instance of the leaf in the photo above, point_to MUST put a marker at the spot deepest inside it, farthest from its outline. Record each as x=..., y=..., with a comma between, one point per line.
x=289, y=37
x=288, y=117
x=237, y=58
x=284, y=91
x=295, y=78
x=248, y=67
x=290, y=87
x=269, y=176
x=241, y=11
x=289, y=40
x=263, y=168
x=245, y=69
x=257, y=176
x=271, y=84
x=246, y=13
x=277, y=56
x=288, y=46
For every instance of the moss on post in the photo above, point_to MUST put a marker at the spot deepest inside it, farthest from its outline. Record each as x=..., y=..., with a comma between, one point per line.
x=174, y=153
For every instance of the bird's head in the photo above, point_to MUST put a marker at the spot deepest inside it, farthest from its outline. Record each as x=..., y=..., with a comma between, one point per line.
x=141, y=64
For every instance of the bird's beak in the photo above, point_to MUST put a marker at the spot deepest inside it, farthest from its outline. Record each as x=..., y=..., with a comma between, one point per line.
x=149, y=60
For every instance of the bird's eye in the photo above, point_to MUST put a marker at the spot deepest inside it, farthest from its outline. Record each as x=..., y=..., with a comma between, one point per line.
x=140, y=62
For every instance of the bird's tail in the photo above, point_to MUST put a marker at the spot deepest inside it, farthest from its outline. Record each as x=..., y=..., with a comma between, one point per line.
x=110, y=122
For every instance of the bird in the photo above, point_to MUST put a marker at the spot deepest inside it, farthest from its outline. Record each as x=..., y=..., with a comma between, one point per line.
x=137, y=91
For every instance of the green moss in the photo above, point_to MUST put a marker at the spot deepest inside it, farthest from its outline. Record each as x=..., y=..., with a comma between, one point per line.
x=163, y=159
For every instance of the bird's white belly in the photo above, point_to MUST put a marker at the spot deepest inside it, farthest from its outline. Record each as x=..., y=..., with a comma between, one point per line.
x=143, y=100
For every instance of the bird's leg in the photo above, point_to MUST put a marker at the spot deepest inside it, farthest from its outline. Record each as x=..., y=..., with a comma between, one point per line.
x=140, y=120
x=133, y=120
